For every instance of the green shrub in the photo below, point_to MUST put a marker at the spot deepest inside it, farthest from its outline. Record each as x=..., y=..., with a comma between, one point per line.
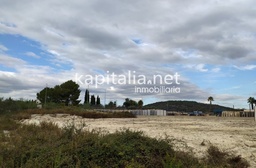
x=9, y=105
x=217, y=158
x=47, y=145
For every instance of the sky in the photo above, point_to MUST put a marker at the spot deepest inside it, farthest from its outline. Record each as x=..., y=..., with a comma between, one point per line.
x=209, y=44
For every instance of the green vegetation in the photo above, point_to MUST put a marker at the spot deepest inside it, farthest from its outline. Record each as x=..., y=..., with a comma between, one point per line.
x=111, y=105
x=22, y=109
x=8, y=106
x=67, y=93
x=186, y=106
x=87, y=97
x=217, y=158
x=140, y=103
x=132, y=104
x=210, y=99
x=47, y=145
x=251, y=101
x=73, y=111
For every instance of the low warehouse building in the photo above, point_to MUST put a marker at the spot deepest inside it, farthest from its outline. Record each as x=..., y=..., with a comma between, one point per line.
x=237, y=114
x=149, y=112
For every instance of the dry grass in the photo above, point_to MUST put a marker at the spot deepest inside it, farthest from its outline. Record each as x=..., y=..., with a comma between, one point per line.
x=217, y=158
x=46, y=145
x=73, y=111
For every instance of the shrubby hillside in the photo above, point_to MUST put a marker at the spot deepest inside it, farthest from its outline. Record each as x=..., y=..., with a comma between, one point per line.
x=186, y=106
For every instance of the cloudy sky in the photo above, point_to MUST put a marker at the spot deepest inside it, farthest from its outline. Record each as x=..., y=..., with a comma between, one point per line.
x=210, y=44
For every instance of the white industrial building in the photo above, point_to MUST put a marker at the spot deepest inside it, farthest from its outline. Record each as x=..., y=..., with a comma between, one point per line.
x=151, y=112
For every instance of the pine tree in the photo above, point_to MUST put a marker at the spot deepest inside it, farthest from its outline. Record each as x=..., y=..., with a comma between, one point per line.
x=67, y=93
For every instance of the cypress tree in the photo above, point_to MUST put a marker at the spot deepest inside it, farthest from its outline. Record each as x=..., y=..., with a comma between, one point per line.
x=92, y=100
x=87, y=97
x=98, y=100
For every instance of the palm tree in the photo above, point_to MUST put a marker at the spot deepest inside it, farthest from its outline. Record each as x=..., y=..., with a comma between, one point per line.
x=251, y=101
x=210, y=99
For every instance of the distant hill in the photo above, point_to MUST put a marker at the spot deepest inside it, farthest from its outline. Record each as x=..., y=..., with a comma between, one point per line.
x=186, y=106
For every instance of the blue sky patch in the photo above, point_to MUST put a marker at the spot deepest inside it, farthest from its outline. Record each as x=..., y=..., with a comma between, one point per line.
x=30, y=51
x=7, y=69
x=137, y=41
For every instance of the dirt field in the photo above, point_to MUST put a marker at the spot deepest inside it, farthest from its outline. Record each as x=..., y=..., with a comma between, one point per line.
x=236, y=135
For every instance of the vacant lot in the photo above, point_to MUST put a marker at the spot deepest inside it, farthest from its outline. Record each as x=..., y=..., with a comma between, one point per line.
x=236, y=135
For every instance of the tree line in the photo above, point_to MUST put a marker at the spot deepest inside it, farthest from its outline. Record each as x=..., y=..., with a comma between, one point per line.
x=128, y=104
x=91, y=101
x=68, y=94
x=11, y=105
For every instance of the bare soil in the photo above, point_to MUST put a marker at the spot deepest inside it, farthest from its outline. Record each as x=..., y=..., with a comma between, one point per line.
x=196, y=134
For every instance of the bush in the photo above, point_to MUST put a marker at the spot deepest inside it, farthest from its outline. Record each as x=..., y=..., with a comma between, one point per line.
x=217, y=158
x=9, y=105
x=48, y=146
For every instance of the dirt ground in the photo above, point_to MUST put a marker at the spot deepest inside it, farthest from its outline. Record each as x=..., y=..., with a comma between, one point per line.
x=235, y=135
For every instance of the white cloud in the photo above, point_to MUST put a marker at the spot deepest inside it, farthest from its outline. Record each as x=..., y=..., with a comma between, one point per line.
x=156, y=23
x=246, y=67
x=54, y=52
x=231, y=88
x=95, y=34
x=3, y=48
x=53, y=32
x=31, y=54
x=230, y=100
x=201, y=67
x=197, y=67
x=7, y=24
x=11, y=62
x=216, y=70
